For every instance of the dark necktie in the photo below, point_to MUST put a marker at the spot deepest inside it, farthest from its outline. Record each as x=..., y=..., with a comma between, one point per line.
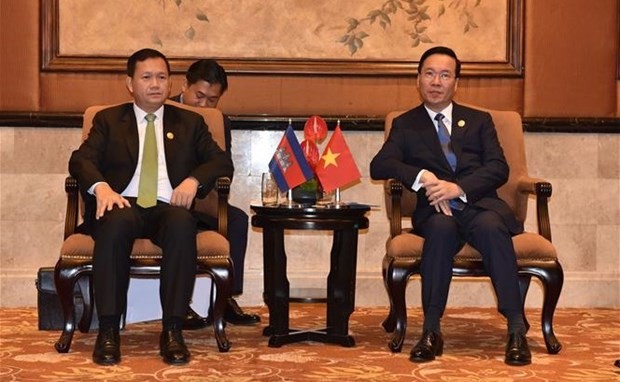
x=446, y=146
x=147, y=189
x=444, y=139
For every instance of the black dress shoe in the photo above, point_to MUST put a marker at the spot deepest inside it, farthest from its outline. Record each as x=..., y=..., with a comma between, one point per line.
x=429, y=346
x=172, y=347
x=107, y=347
x=234, y=315
x=517, y=351
x=194, y=321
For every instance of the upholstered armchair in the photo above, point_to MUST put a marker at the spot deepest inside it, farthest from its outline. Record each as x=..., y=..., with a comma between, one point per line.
x=74, y=267
x=536, y=255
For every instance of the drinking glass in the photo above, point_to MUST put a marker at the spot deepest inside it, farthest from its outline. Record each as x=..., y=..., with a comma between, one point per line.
x=269, y=190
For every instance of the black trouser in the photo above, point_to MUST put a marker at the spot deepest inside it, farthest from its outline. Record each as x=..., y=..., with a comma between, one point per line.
x=484, y=230
x=171, y=228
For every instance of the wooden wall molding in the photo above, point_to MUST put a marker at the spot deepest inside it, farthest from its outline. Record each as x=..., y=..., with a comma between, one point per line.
x=354, y=123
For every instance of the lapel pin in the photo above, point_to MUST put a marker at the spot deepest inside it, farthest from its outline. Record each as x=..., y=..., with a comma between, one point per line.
x=460, y=123
x=169, y=135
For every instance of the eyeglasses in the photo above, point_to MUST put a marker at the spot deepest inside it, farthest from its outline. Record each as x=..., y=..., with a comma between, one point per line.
x=430, y=75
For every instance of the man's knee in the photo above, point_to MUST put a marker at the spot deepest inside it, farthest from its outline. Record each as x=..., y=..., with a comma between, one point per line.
x=439, y=225
x=179, y=218
x=488, y=224
x=118, y=221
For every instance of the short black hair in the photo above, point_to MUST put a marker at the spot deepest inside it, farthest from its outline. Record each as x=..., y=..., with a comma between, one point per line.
x=207, y=70
x=440, y=50
x=143, y=55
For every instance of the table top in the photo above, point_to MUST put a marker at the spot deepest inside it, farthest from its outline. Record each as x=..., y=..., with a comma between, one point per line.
x=351, y=215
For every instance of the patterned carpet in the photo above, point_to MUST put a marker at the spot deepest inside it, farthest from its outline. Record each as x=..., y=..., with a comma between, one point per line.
x=473, y=351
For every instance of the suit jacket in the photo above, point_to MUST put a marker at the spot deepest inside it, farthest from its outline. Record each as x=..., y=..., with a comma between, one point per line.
x=110, y=153
x=481, y=169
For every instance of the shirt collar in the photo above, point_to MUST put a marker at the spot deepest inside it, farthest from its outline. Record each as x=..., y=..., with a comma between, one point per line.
x=141, y=114
x=447, y=112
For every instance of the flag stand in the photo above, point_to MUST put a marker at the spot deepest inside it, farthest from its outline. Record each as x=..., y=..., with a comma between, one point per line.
x=337, y=203
x=289, y=198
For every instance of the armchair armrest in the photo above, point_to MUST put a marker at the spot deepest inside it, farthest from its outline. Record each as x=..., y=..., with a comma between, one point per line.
x=71, y=217
x=542, y=190
x=222, y=186
x=394, y=190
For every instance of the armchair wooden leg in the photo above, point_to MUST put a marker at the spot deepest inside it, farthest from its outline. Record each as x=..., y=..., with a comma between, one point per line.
x=399, y=274
x=390, y=321
x=524, y=286
x=552, y=278
x=553, y=286
x=221, y=273
x=64, y=279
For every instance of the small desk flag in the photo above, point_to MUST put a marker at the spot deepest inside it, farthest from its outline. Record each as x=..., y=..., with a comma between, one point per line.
x=289, y=165
x=337, y=167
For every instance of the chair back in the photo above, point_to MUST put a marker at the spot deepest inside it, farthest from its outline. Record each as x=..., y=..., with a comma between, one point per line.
x=215, y=122
x=510, y=134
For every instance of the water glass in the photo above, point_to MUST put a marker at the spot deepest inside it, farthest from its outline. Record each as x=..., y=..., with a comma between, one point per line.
x=269, y=190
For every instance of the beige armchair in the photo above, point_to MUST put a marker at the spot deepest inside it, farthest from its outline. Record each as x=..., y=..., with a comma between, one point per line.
x=74, y=267
x=536, y=256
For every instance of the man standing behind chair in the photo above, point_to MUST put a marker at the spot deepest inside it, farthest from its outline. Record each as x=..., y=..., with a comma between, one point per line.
x=456, y=174
x=205, y=83
x=108, y=168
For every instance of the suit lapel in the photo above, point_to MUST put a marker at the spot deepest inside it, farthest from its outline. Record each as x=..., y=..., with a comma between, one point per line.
x=459, y=129
x=171, y=131
x=130, y=127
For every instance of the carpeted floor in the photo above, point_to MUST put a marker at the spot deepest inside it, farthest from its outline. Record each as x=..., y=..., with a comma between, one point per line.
x=473, y=351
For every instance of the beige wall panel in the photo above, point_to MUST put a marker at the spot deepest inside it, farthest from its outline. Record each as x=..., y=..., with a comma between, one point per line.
x=570, y=62
x=19, y=55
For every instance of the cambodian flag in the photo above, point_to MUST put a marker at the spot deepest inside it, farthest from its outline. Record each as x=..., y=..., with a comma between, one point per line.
x=289, y=165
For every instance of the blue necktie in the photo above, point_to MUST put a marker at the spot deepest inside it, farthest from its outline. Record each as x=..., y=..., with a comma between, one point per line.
x=444, y=139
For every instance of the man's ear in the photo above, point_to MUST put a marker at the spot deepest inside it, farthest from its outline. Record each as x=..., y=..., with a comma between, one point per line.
x=128, y=84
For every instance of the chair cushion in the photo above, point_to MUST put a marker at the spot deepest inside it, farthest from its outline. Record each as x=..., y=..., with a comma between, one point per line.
x=210, y=244
x=528, y=247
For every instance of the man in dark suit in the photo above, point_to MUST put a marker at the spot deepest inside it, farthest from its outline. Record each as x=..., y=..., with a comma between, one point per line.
x=205, y=83
x=114, y=172
x=450, y=156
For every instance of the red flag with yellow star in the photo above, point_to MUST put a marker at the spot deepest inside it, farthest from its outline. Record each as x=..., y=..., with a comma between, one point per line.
x=336, y=167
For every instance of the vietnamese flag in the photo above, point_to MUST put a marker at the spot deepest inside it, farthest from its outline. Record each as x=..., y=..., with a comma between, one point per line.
x=337, y=167
x=289, y=165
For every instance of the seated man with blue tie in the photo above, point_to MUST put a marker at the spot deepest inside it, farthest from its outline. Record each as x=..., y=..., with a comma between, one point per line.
x=139, y=171
x=450, y=156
